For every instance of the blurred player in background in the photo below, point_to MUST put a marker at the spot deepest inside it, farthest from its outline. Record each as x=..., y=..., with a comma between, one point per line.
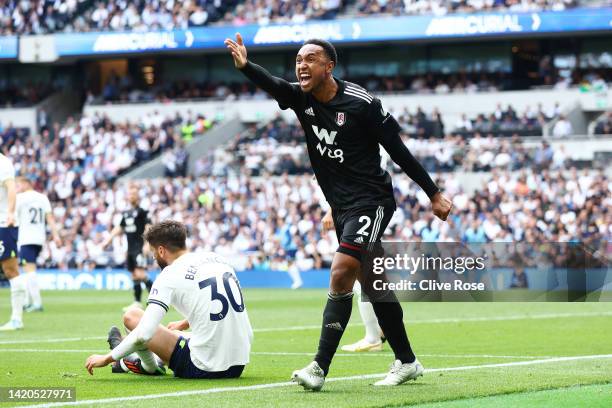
x=345, y=127
x=33, y=211
x=134, y=222
x=204, y=289
x=8, y=243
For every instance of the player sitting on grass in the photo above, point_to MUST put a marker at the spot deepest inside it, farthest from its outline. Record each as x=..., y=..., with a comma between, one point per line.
x=205, y=290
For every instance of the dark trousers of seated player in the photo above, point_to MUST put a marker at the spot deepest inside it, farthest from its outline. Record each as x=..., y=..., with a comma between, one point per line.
x=357, y=230
x=136, y=265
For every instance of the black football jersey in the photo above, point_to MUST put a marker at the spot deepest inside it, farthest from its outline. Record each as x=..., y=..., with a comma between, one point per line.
x=133, y=224
x=342, y=136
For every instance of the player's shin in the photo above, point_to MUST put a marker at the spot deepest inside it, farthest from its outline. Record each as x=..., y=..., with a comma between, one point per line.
x=368, y=317
x=18, y=297
x=335, y=318
x=137, y=290
x=390, y=315
x=149, y=363
x=33, y=289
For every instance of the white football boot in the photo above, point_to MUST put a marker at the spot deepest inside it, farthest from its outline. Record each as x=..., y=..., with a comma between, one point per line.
x=310, y=377
x=400, y=373
x=363, y=346
x=12, y=325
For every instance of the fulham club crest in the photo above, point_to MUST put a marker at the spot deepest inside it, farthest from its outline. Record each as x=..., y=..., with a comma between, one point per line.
x=340, y=118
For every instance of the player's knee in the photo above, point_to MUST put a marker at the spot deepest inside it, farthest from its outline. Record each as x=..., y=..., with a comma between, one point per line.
x=132, y=317
x=342, y=278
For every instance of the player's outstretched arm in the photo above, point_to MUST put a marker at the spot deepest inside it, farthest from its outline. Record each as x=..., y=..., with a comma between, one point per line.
x=278, y=88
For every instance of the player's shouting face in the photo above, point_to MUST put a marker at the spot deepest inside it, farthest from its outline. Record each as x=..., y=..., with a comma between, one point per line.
x=312, y=67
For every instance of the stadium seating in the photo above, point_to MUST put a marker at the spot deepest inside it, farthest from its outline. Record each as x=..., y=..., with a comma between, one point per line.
x=442, y=7
x=47, y=16
x=242, y=203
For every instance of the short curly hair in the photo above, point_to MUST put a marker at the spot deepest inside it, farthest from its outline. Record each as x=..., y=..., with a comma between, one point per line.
x=329, y=49
x=170, y=234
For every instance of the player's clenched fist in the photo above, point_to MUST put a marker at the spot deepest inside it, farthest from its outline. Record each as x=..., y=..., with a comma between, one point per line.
x=441, y=206
x=238, y=51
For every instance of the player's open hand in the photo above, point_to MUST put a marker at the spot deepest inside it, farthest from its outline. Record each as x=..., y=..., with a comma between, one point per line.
x=441, y=206
x=97, y=360
x=238, y=50
x=178, y=325
x=328, y=222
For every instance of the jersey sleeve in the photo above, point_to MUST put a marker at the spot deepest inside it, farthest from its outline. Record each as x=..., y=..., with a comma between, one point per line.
x=147, y=219
x=162, y=290
x=7, y=171
x=387, y=132
x=285, y=93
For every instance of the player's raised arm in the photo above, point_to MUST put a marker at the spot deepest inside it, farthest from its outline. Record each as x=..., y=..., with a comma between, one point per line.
x=386, y=128
x=278, y=88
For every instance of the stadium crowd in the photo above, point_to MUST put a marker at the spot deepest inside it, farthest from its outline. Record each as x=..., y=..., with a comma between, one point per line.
x=277, y=148
x=48, y=16
x=274, y=222
x=443, y=7
x=259, y=219
x=81, y=154
x=604, y=125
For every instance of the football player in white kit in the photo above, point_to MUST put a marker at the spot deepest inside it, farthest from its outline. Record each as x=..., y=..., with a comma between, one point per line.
x=204, y=289
x=33, y=211
x=8, y=243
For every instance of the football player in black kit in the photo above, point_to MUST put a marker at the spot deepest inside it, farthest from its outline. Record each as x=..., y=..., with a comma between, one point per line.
x=344, y=126
x=134, y=221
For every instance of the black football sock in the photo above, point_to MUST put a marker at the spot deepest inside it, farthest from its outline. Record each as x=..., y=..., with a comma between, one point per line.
x=335, y=318
x=137, y=290
x=149, y=284
x=390, y=315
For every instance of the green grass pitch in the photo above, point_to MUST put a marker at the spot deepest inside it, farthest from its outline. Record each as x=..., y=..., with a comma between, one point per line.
x=477, y=354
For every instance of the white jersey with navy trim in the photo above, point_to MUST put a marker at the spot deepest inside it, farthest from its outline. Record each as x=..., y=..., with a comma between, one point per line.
x=31, y=211
x=203, y=288
x=7, y=172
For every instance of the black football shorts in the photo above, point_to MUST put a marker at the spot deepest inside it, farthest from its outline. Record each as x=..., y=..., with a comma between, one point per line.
x=356, y=228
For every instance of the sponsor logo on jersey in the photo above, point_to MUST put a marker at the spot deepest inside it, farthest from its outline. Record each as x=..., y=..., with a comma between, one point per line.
x=328, y=138
x=359, y=240
x=340, y=118
x=309, y=111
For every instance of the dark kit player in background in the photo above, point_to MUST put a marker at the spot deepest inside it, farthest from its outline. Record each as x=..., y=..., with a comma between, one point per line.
x=134, y=222
x=344, y=126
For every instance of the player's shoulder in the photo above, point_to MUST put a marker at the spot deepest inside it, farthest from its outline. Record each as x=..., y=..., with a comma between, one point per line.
x=357, y=93
x=5, y=163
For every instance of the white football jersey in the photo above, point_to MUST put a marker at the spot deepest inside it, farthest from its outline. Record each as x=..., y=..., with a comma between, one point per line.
x=7, y=171
x=203, y=287
x=32, y=208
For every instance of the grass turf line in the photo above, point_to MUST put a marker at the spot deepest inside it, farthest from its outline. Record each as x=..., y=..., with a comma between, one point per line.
x=89, y=314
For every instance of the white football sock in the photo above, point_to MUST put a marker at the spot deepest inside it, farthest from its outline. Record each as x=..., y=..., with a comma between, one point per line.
x=370, y=321
x=18, y=294
x=294, y=274
x=148, y=360
x=33, y=288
